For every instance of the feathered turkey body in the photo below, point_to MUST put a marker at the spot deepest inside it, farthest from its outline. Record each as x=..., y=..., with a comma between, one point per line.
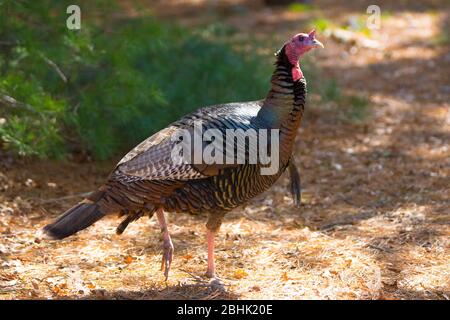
x=148, y=181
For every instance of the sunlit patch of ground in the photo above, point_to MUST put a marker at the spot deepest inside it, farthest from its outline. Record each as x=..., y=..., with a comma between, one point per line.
x=375, y=218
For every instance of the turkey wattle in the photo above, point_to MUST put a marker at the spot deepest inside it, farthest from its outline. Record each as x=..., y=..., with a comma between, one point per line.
x=148, y=181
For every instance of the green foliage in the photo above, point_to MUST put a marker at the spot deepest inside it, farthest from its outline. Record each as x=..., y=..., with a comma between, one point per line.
x=442, y=39
x=300, y=7
x=27, y=129
x=358, y=107
x=386, y=14
x=320, y=24
x=106, y=87
x=353, y=107
x=358, y=23
x=331, y=91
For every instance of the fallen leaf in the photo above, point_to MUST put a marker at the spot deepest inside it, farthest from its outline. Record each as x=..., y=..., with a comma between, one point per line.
x=256, y=288
x=57, y=290
x=187, y=257
x=30, y=183
x=90, y=285
x=128, y=259
x=240, y=273
x=35, y=284
x=307, y=198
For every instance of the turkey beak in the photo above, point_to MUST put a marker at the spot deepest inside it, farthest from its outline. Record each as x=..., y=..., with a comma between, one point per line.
x=317, y=44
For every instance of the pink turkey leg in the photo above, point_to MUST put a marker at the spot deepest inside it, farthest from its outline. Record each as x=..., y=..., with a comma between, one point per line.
x=210, y=235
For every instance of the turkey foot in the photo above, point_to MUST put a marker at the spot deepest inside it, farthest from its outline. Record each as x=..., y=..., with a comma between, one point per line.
x=167, y=256
x=167, y=244
x=214, y=283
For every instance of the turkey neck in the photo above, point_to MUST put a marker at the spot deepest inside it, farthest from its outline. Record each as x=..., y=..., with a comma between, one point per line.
x=284, y=105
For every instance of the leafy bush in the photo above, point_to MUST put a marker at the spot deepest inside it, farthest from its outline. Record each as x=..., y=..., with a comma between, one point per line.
x=104, y=88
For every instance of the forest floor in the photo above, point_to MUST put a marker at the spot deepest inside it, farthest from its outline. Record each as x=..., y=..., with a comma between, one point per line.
x=375, y=217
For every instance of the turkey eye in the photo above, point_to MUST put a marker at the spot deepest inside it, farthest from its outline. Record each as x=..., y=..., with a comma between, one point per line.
x=300, y=39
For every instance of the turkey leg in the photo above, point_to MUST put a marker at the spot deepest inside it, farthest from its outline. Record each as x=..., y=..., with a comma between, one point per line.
x=210, y=235
x=212, y=226
x=167, y=243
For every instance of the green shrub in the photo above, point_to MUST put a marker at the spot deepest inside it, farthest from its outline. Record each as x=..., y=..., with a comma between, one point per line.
x=104, y=88
x=300, y=7
x=331, y=90
x=359, y=107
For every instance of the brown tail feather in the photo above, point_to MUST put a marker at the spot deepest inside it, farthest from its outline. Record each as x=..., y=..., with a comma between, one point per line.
x=73, y=220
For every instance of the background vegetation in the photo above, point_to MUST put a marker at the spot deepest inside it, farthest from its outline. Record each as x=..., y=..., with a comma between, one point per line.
x=102, y=89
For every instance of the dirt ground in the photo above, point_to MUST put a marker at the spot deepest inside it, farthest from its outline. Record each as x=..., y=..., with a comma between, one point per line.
x=374, y=223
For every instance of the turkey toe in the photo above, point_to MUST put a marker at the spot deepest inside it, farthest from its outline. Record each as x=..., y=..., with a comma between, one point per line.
x=167, y=257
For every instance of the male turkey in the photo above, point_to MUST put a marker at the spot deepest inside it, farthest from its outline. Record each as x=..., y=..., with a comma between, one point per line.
x=148, y=180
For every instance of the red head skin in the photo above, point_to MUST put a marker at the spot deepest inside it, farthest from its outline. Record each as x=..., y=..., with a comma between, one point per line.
x=297, y=47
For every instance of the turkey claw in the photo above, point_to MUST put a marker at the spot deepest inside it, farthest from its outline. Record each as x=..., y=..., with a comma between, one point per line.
x=167, y=257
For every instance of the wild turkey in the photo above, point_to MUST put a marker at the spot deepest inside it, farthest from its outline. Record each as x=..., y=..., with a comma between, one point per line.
x=147, y=180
